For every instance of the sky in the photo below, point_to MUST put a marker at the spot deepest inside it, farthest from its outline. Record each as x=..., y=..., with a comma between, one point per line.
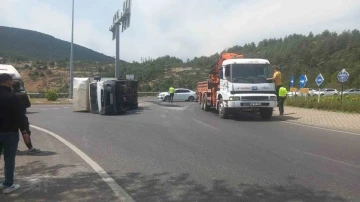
x=180, y=28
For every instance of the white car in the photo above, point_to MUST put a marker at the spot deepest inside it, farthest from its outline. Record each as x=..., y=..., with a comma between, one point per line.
x=351, y=92
x=327, y=92
x=181, y=94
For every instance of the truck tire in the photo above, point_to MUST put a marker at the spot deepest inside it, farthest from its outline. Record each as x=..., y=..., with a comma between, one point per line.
x=222, y=110
x=266, y=113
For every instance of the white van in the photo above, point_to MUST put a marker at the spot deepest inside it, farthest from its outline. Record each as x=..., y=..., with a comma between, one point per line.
x=9, y=69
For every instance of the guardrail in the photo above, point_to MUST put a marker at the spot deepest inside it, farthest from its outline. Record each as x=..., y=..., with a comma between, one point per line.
x=66, y=95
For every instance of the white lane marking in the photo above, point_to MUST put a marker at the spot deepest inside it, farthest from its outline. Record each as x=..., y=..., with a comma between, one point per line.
x=206, y=125
x=55, y=108
x=321, y=128
x=118, y=191
x=329, y=159
x=44, y=109
x=66, y=107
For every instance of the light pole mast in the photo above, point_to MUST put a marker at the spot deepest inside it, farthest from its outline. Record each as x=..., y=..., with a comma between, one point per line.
x=71, y=54
x=123, y=19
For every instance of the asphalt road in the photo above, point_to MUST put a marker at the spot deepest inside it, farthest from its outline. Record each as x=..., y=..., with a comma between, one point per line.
x=177, y=152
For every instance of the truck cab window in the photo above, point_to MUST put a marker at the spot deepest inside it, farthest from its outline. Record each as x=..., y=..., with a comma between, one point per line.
x=227, y=72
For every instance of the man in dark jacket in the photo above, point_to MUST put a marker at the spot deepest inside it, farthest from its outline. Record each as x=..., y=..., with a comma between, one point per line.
x=25, y=103
x=11, y=120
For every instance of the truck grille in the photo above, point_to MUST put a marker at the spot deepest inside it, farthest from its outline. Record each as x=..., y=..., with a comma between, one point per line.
x=254, y=98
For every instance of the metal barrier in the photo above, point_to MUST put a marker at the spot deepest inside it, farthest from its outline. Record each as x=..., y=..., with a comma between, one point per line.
x=66, y=95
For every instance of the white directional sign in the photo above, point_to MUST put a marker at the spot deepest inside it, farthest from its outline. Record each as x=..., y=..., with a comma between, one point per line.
x=343, y=76
x=319, y=79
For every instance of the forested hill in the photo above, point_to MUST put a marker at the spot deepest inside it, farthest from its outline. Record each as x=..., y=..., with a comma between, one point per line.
x=31, y=45
x=327, y=53
x=296, y=54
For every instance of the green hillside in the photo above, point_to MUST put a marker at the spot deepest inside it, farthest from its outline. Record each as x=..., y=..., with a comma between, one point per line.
x=22, y=44
x=295, y=54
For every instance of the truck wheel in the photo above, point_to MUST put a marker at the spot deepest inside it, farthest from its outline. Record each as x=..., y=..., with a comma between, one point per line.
x=222, y=110
x=266, y=113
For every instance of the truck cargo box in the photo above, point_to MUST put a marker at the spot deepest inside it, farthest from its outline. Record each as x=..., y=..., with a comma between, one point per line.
x=81, y=94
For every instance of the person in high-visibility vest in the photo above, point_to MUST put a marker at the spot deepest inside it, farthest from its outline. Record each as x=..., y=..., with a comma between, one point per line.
x=282, y=97
x=171, y=92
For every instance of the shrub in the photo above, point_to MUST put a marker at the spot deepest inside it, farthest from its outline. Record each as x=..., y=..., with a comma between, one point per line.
x=51, y=95
x=333, y=103
x=49, y=72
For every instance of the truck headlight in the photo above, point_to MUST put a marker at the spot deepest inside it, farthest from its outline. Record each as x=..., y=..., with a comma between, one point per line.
x=234, y=98
x=273, y=98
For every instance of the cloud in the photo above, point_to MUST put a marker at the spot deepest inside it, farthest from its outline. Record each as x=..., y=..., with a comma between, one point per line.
x=182, y=28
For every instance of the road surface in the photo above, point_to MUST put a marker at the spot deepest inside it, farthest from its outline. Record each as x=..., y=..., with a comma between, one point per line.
x=177, y=152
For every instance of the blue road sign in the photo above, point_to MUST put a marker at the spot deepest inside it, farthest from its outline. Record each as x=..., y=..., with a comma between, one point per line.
x=343, y=76
x=303, y=81
x=319, y=79
x=292, y=81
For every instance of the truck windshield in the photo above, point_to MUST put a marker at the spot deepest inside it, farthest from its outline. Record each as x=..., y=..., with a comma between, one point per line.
x=250, y=73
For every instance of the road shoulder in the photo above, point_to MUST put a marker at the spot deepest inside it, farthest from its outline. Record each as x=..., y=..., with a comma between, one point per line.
x=55, y=174
x=327, y=119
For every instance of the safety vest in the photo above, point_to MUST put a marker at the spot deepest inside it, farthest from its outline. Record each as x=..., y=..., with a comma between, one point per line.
x=171, y=90
x=282, y=92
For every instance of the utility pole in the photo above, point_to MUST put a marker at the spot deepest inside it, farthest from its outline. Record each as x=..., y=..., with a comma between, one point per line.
x=123, y=19
x=71, y=55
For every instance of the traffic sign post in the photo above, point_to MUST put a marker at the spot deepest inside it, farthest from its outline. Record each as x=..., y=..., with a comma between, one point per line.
x=292, y=83
x=303, y=80
x=342, y=76
x=319, y=80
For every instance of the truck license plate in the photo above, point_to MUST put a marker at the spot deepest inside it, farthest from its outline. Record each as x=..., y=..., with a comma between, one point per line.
x=255, y=104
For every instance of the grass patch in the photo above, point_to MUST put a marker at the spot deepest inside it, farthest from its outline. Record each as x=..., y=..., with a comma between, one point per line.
x=330, y=103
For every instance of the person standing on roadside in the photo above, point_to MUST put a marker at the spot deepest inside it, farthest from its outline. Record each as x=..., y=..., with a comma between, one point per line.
x=11, y=120
x=25, y=103
x=282, y=98
x=171, y=92
x=277, y=80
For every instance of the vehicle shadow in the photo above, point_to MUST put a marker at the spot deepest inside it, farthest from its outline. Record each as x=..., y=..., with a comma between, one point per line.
x=164, y=104
x=181, y=187
x=254, y=117
x=31, y=112
x=137, y=111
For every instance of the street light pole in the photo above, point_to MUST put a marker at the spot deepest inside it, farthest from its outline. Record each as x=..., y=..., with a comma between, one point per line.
x=71, y=54
x=122, y=19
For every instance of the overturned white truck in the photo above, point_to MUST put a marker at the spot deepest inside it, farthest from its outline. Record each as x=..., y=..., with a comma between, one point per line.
x=107, y=96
